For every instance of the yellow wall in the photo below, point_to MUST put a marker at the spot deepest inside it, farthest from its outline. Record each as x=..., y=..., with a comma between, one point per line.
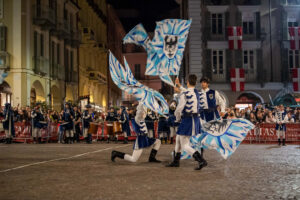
x=91, y=56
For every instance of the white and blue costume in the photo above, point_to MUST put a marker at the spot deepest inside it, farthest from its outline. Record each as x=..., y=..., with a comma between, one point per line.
x=142, y=140
x=124, y=119
x=163, y=128
x=281, y=118
x=172, y=121
x=150, y=123
x=37, y=119
x=8, y=123
x=139, y=125
x=209, y=100
x=187, y=112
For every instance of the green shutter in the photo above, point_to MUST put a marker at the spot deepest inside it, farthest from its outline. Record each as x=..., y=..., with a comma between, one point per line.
x=228, y=54
x=238, y=18
x=207, y=30
x=284, y=27
x=258, y=32
x=207, y=71
x=284, y=65
x=227, y=18
x=3, y=31
x=238, y=58
x=261, y=72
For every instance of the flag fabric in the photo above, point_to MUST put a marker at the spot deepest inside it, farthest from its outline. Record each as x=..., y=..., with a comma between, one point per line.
x=138, y=36
x=294, y=37
x=125, y=80
x=222, y=135
x=169, y=40
x=296, y=79
x=237, y=78
x=235, y=36
x=165, y=51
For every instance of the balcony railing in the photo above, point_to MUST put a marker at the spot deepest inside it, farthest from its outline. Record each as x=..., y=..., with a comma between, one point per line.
x=217, y=2
x=41, y=66
x=57, y=72
x=290, y=2
x=74, y=39
x=247, y=2
x=4, y=60
x=72, y=77
x=44, y=16
x=62, y=28
x=219, y=77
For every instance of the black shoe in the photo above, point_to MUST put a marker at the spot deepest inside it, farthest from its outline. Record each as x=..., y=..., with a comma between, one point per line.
x=125, y=141
x=283, y=142
x=107, y=140
x=201, y=162
x=176, y=160
x=90, y=139
x=152, y=156
x=279, y=142
x=40, y=140
x=10, y=140
x=115, y=154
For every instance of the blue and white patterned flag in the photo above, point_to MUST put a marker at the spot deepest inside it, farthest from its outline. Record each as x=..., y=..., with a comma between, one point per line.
x=138, y=36
x=169, y=40
x=165, y=51
x=222, y=135
x=125, y=80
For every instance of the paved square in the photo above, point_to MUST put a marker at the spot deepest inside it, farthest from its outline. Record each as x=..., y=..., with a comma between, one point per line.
x=80, y=171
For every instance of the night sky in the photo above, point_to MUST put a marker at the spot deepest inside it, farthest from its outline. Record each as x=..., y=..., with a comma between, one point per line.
x=147, y=12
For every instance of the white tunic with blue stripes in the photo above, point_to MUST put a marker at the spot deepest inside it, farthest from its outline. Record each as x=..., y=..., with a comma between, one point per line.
x=209, y=100
x=187, y=112
x=139, y=125
x=281, y=118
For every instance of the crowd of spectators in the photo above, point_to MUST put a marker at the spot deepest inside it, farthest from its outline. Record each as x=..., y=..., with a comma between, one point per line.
x=256, y=115
x=261, y=114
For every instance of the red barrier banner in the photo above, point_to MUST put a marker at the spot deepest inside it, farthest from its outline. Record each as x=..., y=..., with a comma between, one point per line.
x=263, y=133
x=266, y=133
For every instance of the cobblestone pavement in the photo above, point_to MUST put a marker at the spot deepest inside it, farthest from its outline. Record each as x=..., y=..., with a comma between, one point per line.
x=80, y=171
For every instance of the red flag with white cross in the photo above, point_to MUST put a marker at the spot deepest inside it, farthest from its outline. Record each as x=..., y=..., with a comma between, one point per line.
x=237, y=78
x=235, y=37
x=296, y=79
x=294, y=37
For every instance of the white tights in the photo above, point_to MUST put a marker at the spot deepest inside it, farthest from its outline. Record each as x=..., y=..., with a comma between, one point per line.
x=136, y=154
x=182, y=143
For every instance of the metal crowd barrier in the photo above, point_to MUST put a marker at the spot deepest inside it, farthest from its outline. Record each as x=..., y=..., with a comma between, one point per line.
x=262, y=133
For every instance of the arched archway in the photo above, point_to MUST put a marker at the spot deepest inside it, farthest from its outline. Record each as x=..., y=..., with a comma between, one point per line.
x=5, y=93
x=248, y=99
x=70, y=94
x=37, y=93
x=56, y=99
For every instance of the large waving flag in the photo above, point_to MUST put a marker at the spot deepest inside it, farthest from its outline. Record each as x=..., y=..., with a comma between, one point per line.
x=222, y=135
x=165, y=51
x=125, y=80
x=138, y=36
x=169, y=42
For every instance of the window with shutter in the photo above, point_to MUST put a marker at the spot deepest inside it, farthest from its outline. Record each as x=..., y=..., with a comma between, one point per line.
x=2, y=38
x=1, y=9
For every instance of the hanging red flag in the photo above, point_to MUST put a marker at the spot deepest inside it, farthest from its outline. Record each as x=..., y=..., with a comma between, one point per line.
x=296, y=79
x=294, y=37
x=237, y=78
x=235, y=37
